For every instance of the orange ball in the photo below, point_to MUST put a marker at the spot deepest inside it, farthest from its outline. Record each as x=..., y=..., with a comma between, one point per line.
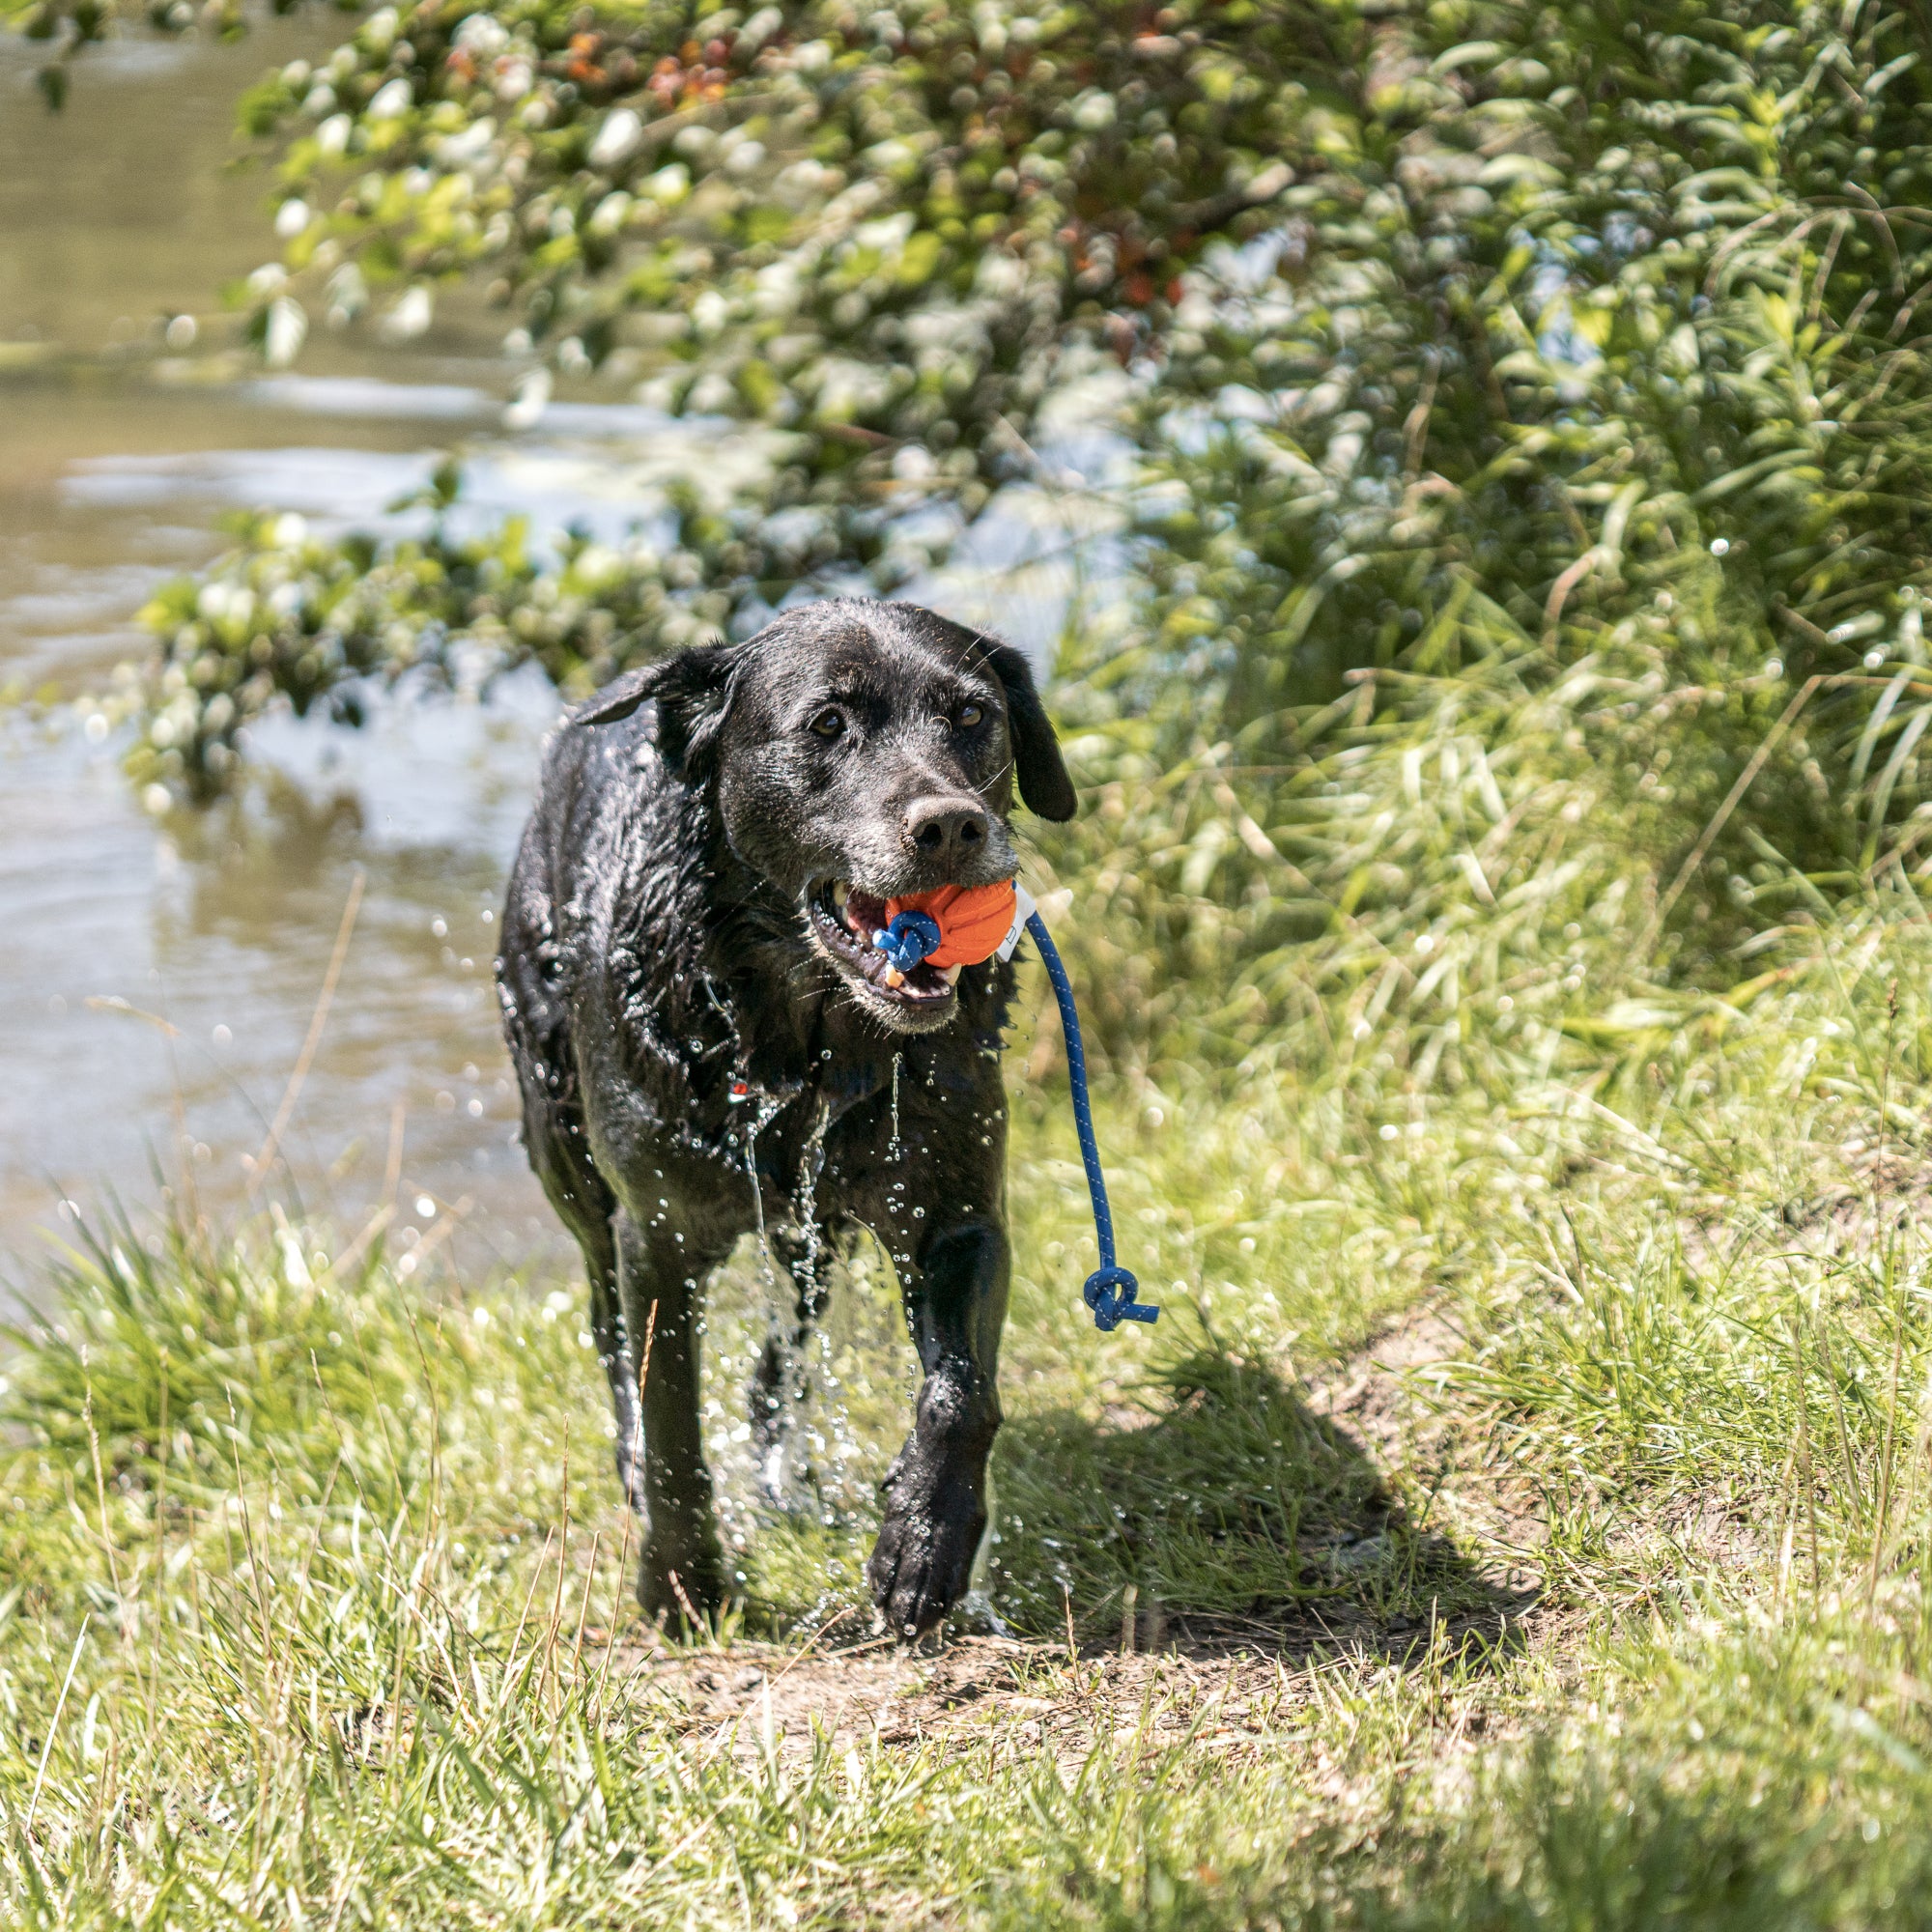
x=973, y=920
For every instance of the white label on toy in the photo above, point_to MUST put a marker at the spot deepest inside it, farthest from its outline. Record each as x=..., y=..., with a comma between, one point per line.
x=1024, y=909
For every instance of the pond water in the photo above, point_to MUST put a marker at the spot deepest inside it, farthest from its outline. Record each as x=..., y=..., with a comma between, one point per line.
x=117, y=463
x=158, y=979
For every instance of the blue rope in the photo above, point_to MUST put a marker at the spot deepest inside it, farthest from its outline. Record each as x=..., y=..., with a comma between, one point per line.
x=1110, y=1289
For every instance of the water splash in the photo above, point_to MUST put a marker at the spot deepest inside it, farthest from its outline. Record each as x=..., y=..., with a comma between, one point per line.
x=805, y=1200
x=974, y=1611
x=766, y=1112
x=786, y=1472
x=894, y=1151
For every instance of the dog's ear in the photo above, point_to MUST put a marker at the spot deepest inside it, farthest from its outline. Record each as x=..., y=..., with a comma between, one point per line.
x=692, y=690
x=1036, y=761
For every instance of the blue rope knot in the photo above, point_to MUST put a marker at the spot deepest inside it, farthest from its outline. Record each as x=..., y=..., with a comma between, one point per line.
x=1110, y=1293
x=908, y=939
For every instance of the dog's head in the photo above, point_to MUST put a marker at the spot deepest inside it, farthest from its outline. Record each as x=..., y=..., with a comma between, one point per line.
x=857, y=753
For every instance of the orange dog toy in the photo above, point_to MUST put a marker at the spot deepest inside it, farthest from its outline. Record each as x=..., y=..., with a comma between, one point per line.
x=973, y=921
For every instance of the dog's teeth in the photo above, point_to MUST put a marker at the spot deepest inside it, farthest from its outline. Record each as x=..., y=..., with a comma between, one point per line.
x=840, y=893
x=894, y=976
x=950, y=974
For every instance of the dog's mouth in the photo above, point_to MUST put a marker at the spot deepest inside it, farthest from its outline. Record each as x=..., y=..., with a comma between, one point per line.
x=843, y=921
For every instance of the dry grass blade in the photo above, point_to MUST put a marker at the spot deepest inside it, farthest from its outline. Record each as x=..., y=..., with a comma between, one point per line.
x=317, y=1022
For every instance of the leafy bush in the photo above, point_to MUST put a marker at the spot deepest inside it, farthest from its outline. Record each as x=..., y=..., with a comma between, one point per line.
x=1517, y=547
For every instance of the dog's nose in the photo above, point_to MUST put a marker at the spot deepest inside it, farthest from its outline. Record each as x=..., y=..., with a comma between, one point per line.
x=948, y=830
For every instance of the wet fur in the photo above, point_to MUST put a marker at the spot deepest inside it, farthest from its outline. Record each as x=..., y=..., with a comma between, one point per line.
x=655, y=955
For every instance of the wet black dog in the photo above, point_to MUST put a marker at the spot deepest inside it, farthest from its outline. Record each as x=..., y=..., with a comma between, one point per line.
x=705, y=1036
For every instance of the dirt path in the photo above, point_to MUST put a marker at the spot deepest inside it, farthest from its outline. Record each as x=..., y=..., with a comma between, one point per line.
x=970, y=1693
x=1219, y=1685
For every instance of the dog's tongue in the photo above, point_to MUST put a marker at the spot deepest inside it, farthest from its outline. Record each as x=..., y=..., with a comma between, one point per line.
x=973, y=920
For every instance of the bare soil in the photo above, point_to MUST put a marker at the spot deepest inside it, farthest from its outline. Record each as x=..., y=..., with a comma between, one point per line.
x=1220, y=1685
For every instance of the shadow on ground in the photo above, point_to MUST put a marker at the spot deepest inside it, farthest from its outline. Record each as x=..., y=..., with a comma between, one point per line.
x=1225, y=1514
x=1167, y=1571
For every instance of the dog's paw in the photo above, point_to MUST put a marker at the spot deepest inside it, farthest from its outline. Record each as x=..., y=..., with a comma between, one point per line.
x=921, y=1563
x=683, y=1590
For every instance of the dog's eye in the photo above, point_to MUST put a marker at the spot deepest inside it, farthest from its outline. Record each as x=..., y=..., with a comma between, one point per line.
x=968, y=715
x=829, y=722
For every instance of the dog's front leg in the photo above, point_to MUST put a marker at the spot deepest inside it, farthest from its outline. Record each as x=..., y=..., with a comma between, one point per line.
x=954, y=1283
x=681, y=1568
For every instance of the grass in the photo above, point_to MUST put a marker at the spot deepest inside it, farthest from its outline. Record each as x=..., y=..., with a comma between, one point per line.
x=314, y=1607
x=1410, y=785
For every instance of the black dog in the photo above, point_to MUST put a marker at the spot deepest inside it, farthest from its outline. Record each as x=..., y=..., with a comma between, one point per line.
x=707, y=1042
